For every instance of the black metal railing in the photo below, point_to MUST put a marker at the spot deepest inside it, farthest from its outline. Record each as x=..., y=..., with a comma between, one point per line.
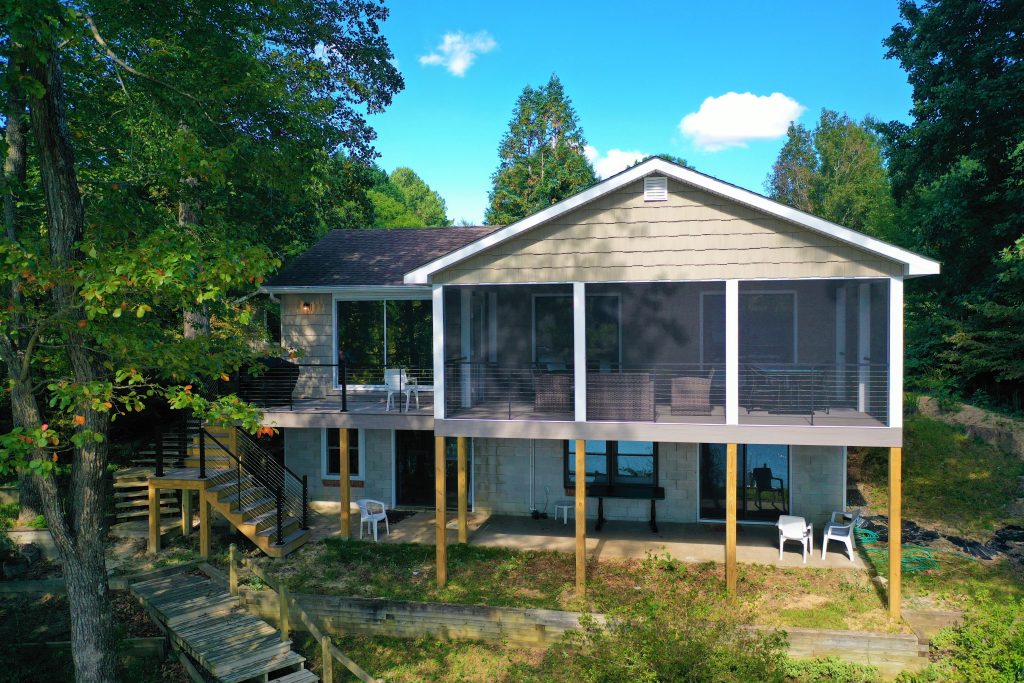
x=844, y=392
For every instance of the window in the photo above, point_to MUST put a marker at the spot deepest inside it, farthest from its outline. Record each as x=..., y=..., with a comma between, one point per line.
x=331, y=464
x=617, y=463
x=374, y=335
x=762, y=482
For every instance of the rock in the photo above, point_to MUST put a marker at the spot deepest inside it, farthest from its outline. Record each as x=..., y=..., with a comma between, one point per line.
x=880, y=581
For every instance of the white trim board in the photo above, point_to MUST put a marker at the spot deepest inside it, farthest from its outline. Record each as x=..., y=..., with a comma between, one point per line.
x=913, y=264
x=362, y=456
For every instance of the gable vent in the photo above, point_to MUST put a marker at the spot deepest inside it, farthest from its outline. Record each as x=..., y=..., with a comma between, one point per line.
x=655, y=188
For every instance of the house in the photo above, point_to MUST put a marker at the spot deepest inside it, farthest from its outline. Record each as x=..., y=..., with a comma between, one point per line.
x=701, y=352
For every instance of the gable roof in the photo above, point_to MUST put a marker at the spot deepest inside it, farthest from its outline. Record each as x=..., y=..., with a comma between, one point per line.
x=352, y=258
x=913, y=264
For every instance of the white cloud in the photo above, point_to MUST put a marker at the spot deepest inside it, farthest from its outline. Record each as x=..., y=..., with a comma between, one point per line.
x=611, y=163
x=458, y=51
x=734, y=119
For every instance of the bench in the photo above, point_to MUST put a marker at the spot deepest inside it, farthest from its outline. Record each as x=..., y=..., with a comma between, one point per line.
x=633, y=492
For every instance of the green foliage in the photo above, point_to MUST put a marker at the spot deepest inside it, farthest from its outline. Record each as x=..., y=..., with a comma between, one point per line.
x=403, y=200
x=829, y=670
x=987, y=646
x=541, y=159
x=835, y=172
x=663, y=638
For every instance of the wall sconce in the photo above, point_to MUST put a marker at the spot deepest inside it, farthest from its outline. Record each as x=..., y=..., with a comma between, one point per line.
x=307, y=307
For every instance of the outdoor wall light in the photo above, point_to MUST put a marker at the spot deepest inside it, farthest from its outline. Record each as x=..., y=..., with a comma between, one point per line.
x=307, y=307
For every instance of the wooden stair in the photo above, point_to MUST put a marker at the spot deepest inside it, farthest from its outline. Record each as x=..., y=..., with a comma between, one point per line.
x=256, y=516
x=206, y=622
x=131, y=496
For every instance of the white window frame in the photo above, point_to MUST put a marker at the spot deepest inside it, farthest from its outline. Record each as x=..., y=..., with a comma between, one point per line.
x=323, y=457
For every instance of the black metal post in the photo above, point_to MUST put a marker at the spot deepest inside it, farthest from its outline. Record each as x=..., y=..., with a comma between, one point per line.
x=160, y=452
x=305, y=501
x=238, y=484
x=280, y=501
x=183, y=439
x=344, y=381
x=202, y=453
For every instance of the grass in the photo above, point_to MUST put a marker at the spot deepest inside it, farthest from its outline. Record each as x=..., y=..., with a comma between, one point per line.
x=502, y=577
x=951, y=482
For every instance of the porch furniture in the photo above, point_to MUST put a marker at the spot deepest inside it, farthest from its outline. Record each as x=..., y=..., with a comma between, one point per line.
x=692, y=395
x=764, y=482
x=397, y=382
x=563, y=506
x=796, y=529
x=632, y=492
x=553, y=392
x=839, y=529
x=620, y=397
x=371, y=512
x=786, y=389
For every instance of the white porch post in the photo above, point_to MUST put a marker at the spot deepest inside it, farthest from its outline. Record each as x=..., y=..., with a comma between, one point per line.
x=896, y=352
x=863, y=345
x=466, y=346
x=437, y=294
x=579, y=348
x=732, y=352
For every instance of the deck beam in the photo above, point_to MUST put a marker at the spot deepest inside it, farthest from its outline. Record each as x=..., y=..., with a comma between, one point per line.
x=186, y=512
x=204, y=525
x=154, y=519
x=440, y=518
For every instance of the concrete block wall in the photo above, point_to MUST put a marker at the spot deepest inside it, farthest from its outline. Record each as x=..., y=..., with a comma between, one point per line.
x=302, y=453
x=818, y=479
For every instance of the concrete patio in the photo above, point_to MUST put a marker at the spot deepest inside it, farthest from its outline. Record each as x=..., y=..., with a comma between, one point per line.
x=756, y=544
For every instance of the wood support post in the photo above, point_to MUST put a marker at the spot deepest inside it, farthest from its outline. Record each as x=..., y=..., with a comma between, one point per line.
x=282, y=611
x=895, y=529
x=154, y=519
x=186, y=512
x=581, y=517
x=204, y=525
x=326, y=660
x=463, y=493
x=233, y=569
x=344, y=483
x=440, y=502
x=730, y=519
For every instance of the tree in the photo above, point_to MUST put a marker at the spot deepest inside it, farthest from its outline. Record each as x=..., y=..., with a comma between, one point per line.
x=403, y=200
x=956, y=176
x=541, y=159
x=836, y=172
x=157, y=145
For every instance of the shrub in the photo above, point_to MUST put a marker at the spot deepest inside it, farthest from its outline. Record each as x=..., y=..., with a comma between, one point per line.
x=829, y=670
x=987, y=646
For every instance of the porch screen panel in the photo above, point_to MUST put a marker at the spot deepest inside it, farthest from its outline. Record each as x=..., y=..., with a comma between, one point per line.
x=409, y=336
x=361, y=334
x=552, y=331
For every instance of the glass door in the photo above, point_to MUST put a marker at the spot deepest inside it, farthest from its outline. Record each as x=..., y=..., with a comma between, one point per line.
x=762, y=482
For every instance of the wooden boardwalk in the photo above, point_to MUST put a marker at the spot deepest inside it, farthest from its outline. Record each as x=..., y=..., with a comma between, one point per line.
x=206, y=622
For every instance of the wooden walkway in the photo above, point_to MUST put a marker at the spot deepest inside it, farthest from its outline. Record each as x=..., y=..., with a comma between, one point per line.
x=206, y=622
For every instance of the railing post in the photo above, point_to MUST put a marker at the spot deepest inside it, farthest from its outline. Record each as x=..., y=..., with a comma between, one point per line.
x=238, y=484
x=202, y=453
x=282, y=599
x=326, y=660
x=233, y=569
x=160, y=452
x=280, y=501
x=305, y=501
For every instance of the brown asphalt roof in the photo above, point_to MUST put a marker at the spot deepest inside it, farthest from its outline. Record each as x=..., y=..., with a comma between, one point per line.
x=372, y=257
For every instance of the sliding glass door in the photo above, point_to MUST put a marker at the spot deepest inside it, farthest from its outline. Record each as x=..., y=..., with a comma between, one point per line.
x=762, y=482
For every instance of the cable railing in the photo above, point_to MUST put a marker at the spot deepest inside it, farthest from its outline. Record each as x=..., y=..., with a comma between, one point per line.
x=287, y=385
x=839, y=391
x=489, y=391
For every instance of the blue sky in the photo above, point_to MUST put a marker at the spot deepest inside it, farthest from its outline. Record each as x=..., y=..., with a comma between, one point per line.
x=634, y=71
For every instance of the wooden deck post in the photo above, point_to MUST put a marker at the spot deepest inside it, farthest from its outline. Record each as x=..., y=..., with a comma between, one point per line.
x=344, y=483
x=581, y=517
x=326, y=660
x=730, y=519
x=282, y=611
x=463, y=493
x=441, y=539
x=186, y=512
x=154, y=519
x=233, y=569
x=204, y=525
x=895, y=530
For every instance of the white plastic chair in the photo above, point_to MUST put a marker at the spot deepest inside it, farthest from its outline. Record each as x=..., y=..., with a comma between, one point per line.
x=371, y=512
x=397, y=382
x=838, y=529
x=796, y=529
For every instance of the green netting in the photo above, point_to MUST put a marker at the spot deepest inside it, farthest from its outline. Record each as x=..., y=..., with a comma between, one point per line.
x=913, y=558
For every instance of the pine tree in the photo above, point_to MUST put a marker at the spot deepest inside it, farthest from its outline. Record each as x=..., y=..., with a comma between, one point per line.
x=792, y=174
x=541, y=158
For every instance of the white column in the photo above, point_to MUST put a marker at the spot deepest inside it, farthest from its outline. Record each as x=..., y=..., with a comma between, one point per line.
x=732, y=352
x=896, y=352
x=579, y=348
x=863, y=346
x=466, y=345
x=438, y=317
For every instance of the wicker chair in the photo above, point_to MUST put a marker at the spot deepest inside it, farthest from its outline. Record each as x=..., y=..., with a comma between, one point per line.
x=620, y=397
x=692, y=395
x=553, y=393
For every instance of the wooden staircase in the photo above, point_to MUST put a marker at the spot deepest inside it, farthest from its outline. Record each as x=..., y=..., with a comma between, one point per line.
x=256, y=515
x=207, y=623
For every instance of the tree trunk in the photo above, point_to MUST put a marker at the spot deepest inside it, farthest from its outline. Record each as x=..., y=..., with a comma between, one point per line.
x=15, y=133
x=77, y=525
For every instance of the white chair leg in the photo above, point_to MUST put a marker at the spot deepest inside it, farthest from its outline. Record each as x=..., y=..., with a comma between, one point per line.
x=374, y=531
x=387, y=406
x=408, y=394
x=824, y=545
x=417, y=392
x=849, y=548
x=387, y=525
x=361, y=524
x=781, y=541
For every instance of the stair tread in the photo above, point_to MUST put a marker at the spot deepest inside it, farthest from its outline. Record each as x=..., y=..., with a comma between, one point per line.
x=300, y=676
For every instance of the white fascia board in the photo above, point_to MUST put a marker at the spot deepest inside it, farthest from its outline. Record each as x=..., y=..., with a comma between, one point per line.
x=914, y=264
x=356, y=292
